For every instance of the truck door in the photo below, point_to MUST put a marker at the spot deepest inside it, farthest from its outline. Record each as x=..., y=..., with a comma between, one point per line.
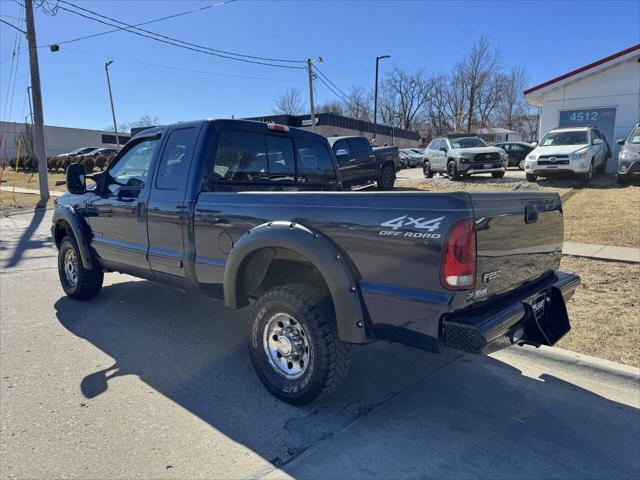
x=117, y=215
x=366, y=164
x=347, y=161
x=167, y=212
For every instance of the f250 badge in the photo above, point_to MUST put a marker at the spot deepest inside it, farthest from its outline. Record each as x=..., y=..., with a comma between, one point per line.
x=407, y=222
x=489, y=276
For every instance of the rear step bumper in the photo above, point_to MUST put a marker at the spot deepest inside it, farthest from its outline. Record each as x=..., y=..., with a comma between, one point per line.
x=535, y=315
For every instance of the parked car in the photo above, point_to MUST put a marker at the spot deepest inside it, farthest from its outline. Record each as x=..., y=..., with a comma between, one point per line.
x=107, y=152
x=76, y=152
x=517, y=152
x=360, y=164
x=459, y=156
x=579, y=151
x=252, y=213
x=413, y=159
x=629, y=156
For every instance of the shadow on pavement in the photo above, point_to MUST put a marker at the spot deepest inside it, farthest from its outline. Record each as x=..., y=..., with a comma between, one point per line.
x=454, y=416
x=25, y=242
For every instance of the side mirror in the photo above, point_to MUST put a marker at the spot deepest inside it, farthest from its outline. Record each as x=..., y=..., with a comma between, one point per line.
x=597, y=141
x=342, y=152
x=620, y=141
x=76, y=180
x=534, y=144
x=443, y=149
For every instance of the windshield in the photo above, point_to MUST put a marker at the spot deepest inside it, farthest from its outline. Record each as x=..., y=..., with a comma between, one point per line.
x=467, y=142
x=565, y=138
x=635, y=136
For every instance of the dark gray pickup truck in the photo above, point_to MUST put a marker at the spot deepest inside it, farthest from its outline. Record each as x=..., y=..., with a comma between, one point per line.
x=253, y=214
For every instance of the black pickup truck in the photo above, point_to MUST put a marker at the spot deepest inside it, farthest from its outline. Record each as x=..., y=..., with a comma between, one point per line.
x=361, y=164
x=253, y=214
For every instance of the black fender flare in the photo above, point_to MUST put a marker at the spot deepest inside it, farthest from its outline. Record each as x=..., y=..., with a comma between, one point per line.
x=80, y=231
x=321, y=253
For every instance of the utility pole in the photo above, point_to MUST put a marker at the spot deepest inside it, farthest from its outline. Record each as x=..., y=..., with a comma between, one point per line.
x=113, y=111
x=375, y=97
x=38, y=115
x=313, y=112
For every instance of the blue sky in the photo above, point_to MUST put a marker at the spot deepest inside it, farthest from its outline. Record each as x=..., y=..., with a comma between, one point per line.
x=547, y=38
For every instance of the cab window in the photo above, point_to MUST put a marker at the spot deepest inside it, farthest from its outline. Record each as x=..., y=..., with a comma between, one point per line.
x=132, y=169
x=314, y=163
x=176, y=158
x=280, y=156
x=239, y=157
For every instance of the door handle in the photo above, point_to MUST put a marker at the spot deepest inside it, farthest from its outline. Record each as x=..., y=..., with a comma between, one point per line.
x=140, y=211
x=352, y=159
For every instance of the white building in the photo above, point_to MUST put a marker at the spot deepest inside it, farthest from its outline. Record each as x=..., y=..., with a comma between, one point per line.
x=605, y=93
x=57, y=140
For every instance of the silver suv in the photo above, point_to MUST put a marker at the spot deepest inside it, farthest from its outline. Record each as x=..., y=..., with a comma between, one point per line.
x=629, y=156
x=576, y=150
x=458, y=156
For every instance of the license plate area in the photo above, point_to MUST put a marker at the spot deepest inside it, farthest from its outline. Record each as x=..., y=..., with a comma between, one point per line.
x=547, y=320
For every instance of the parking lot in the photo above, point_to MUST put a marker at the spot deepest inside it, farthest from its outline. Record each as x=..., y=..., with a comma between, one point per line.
x=128, y=385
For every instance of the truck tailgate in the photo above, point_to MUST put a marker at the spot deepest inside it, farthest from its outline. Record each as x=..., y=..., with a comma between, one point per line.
x=519, y=238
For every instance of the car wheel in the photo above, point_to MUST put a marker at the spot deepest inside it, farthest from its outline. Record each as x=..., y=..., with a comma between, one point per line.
x=294, y=344
x=587, y=177
x=452, y=171
x=426, y=168
x=600, y=169
x=387, y=178
x=521, y=164
x=621, y=179
x=77, y=282
x=531, y=178
x=497, y=174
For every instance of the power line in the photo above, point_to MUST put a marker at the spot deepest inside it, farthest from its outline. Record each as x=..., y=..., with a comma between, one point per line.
x=181, y=69
x=181, y=43
x=13, y=72
x=206, y=7
x=328, y=80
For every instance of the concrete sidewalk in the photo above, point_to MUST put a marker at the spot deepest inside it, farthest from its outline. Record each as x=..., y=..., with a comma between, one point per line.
x=602, y=252
x=53, y=193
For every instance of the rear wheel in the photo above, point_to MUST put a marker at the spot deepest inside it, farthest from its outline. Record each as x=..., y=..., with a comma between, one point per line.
x=387, y=178
x=497, y=174
x=531, y=178
x=294, y=344
x=426, y=168
x=600, y=169
x=452, y=171
x=77, y=282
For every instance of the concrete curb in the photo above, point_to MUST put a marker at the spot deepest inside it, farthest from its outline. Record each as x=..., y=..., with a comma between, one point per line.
x=577, y=360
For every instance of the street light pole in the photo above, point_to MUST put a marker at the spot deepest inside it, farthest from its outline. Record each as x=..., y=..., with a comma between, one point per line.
x=375, y=97
x=113, y=111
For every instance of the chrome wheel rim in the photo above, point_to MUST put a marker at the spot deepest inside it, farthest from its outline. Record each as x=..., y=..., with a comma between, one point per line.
x=286, y=345
x=71, y=267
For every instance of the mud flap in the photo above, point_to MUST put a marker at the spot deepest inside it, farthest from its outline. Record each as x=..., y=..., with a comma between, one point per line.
x=547, y=320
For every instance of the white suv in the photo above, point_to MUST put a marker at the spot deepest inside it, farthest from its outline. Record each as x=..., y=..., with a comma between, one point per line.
x=578, y=150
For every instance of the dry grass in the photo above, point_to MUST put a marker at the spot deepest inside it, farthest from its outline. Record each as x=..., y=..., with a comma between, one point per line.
x=28, y=180
x=19, y=202
x=605, y=311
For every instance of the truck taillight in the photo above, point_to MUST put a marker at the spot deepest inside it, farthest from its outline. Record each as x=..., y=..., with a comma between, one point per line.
x=459, y=260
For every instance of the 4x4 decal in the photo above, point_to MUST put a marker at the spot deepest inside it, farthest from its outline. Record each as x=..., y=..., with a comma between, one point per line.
x=407, y=222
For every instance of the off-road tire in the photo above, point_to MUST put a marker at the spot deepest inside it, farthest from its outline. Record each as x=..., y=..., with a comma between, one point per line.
x=387, y=178
x=452, y=171
x=328, y=356
x=497, y=174
x=426, y=169
x=89, y=282
x=531, y=178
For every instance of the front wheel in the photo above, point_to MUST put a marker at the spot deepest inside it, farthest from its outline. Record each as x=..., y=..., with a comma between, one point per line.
x=387, y=178
x=521, y=164
x=294, y=344
x=77, y=282
x=531, y=178
x=426, y=169
x=588, y=176
x=452, y=171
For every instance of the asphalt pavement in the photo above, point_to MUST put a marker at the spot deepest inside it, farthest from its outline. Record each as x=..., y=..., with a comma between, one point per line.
x=145, y=381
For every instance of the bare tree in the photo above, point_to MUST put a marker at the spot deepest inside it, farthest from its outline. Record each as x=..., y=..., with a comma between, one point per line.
x=143, y=121
x=404, y=95
x=289, y=103
x=332, y=106
x=359, y=104
x=477, y=70
x=513, y=106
